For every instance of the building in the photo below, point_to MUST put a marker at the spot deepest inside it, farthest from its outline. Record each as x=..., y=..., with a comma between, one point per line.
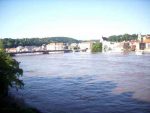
x=55, y=46
x=19, y=48
x=43, y=47
x=144, y=43
x=85, y=46
x=28, y=48
x=11, y=50
x=108, y=46
x=132, y=44
x=73, y=46
x=37, y=48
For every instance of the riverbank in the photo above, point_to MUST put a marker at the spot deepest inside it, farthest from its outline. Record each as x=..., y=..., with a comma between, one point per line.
x=11, y=105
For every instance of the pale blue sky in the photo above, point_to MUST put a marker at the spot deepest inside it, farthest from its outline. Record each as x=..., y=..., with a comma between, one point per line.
x=80, y=19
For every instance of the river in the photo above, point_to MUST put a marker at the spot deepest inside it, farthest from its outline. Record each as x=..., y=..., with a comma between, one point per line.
x=86, y=83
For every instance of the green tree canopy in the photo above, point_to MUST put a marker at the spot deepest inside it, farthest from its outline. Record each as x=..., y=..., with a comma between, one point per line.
x=120, y=38
x=9, y=73
x=9, y=43
x=97, y=47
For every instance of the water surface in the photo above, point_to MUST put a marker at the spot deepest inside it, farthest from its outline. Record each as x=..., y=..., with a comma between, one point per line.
x=86, y=83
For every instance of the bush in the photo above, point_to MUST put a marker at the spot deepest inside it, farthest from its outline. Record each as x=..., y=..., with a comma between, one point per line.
x=9, y=73
x=97, y=47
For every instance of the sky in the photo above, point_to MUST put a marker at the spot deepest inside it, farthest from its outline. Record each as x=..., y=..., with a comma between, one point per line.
x=80, y=19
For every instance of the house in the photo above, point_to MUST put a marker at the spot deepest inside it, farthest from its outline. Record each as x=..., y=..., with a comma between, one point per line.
x=73, y=46
x=19, y=48
x=37, y=48
x=11, y=50
x=106, y=45
x=55, y=46
x=28, y=48
x=144, y=43
x=43, y=47
x=85, y=46
x=117, y=47
x=132, y=44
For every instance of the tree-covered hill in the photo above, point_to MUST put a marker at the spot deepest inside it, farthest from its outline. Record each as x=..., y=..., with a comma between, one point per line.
x=124, y=37
x=9, y=42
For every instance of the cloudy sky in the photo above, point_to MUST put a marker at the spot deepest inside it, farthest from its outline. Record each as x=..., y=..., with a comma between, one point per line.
x=80, y=19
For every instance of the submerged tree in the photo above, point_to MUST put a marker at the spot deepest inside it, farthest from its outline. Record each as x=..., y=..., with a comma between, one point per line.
x=97, y=47
x=9, y=72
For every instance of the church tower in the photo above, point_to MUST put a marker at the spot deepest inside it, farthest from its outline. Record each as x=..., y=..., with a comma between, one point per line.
x=140, y=37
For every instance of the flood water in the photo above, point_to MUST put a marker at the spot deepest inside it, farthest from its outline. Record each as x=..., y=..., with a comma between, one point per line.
x=86, y=83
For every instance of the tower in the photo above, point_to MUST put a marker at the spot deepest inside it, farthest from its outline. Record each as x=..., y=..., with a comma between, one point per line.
x=139, y=37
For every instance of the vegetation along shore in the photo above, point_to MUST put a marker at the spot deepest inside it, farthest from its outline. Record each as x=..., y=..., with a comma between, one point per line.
x=10, y=73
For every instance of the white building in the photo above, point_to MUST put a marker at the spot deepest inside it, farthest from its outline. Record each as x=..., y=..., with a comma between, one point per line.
x=19, y=48
x=37, y=48
x=108, y=46
x=85, y=46
x=43, y=47
x=28, y=48
x=55, y=46
x=73, y=46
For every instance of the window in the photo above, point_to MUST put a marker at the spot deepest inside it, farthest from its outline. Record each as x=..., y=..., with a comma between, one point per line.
x=142, y=46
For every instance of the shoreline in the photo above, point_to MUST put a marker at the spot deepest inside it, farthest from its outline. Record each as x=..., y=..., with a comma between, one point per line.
x=10, y=104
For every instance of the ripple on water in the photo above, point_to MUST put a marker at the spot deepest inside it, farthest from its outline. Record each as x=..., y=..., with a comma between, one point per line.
x=88, y=83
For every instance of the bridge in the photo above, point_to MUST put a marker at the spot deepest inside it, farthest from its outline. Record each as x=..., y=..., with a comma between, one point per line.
x=41, y=51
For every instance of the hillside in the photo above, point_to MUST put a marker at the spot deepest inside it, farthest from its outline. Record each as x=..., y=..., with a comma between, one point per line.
x=9, y=42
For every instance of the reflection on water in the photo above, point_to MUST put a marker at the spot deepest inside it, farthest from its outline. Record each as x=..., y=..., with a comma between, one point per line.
x=87, y=83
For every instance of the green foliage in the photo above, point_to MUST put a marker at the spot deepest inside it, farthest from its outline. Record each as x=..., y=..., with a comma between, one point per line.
x=9, y=43
x=9, y=73
x=120, y=38
x=1, y=46
x=97, y=47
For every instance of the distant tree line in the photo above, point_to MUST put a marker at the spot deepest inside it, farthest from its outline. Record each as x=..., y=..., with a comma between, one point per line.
x=120, y=38
x=9, y=42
